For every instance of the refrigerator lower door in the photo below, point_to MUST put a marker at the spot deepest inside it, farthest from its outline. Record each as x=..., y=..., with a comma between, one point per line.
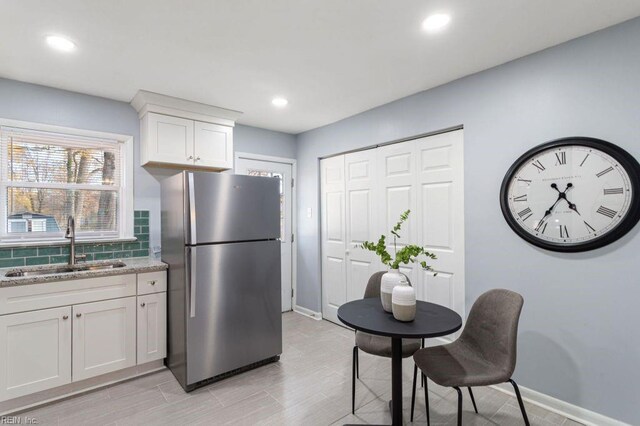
x=234, y=307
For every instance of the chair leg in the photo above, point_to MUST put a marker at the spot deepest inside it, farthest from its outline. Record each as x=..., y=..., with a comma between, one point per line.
x=413, y=393
x=459, y=405
x=357, y=363
x=353, y=381
x=473, y=400
x=426, y=396
x=422, y=375
x=524, y=412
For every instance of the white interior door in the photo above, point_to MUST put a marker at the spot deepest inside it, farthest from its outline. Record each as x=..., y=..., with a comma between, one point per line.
x=333, y=236
x=363, y=195
x=397, y=193
x=441, y=219
x=361, y=220
x=245, y=166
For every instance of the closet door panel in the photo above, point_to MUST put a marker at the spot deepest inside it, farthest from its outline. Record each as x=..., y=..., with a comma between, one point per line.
x=441, y=219
x=333, y=236
x=360, y=187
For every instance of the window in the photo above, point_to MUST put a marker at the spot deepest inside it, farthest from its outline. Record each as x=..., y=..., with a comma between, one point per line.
x=48, y=176
x=267, y=173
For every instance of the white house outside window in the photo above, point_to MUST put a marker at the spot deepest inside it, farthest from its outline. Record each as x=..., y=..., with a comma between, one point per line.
x=48, y=176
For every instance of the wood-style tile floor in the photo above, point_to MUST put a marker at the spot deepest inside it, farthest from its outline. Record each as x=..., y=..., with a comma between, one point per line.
x=310, y=385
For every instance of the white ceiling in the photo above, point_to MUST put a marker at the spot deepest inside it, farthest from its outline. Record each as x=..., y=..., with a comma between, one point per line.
x=330, y=58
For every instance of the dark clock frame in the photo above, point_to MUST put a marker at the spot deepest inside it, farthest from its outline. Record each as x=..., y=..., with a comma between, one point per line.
x=626, y=160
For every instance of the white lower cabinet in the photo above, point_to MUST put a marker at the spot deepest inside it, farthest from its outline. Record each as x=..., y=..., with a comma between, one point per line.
x=104, y=337
x=35, y=353
x=152, y=327
x=54, y=334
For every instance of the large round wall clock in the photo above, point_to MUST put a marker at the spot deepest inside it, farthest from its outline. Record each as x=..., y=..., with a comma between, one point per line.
x=572, y=194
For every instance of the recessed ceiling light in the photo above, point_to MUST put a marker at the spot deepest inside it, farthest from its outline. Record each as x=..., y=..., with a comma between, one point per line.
x=60, y=43
x=436, y=22
x=280, y=102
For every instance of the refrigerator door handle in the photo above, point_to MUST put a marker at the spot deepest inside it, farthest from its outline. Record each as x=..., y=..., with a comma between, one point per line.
x=191, y=286
x=192, y=209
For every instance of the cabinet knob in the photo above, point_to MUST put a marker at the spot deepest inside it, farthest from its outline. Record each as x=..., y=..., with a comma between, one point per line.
x=190, y=157
x=152, y=282
x=66, y=317
x=143, y=304
x=197, y=158
x=78, y=315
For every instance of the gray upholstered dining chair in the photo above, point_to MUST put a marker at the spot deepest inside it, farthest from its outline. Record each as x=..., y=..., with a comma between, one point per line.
x=379, y=345
x=483, y=355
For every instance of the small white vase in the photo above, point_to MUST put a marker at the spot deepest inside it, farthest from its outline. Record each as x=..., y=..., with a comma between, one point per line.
x=403, y=301
x=389, y=281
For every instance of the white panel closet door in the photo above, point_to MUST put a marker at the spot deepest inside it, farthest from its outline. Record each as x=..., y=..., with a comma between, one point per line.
x=334, y=283
x=441, y=220
x=398, y=193
x=361, y=219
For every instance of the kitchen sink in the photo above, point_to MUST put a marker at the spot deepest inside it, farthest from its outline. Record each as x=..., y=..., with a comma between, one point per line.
x=62, y=269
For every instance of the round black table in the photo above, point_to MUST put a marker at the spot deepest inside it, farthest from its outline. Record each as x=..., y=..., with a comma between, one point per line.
x=431, y=321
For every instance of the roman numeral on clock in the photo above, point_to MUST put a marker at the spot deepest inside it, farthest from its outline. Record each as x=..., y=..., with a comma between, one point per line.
x=520, y=198
x=590, y=228
x=525, y=214
x=561, y=158
x=613, y=191
x=538, y=165
x=606, y=212
x=541, y=227
x=585, y=159
x=604, y=172
x=564, y=232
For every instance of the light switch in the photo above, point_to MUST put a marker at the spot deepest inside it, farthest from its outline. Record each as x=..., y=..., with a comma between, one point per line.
x=309, y=212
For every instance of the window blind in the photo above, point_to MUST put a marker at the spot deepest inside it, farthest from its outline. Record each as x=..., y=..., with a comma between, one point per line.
x=47, y=177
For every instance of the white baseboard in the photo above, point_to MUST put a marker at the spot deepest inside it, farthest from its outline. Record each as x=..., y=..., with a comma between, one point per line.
x=307, y=312
x=549, y=403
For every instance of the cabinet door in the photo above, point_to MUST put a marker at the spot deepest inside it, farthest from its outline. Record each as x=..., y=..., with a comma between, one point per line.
x=152, y=327
x=213, y=145
x=168, y=139
x=104, y=337
x=35, y=353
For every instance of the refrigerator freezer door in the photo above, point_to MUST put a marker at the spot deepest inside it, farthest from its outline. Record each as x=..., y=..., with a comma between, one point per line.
x=229, y=208
x=237, y=307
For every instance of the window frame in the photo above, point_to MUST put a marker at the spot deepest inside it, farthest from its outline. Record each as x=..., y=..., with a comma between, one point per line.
x=125, y=190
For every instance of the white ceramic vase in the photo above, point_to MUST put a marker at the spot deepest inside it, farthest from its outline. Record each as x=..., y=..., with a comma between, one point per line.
x=389, y=281
x=403, y=301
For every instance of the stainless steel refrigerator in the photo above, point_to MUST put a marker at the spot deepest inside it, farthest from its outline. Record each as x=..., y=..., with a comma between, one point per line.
x=220, y=238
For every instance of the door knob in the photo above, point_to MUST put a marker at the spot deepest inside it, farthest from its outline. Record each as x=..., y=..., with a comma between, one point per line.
x=66, y=317
x=78, y=315
x=143, y=304
x=152, y=282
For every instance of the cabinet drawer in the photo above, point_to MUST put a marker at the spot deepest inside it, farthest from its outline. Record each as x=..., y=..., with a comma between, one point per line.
x=65, y=293
x=152, y=282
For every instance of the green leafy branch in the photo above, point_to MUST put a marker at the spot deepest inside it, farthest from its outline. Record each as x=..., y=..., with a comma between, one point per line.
x=407, y=254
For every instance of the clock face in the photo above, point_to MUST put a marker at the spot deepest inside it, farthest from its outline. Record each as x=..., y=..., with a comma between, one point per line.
x=572, y=195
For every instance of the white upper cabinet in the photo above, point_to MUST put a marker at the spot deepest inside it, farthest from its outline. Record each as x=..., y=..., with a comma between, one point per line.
x=183, y=134
x=168, y=139
x=213, y=145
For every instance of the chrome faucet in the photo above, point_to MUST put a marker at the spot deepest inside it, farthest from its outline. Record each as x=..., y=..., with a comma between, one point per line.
x=71, y=235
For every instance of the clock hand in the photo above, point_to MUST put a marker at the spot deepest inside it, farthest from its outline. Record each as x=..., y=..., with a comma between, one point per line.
x=571, y=205
x=550, y=209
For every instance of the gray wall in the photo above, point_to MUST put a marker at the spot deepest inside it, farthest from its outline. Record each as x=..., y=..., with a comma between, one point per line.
x=578, y=337
x=41, y=104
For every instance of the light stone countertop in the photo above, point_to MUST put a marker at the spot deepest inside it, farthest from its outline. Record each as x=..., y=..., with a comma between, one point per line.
x=134, y=265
